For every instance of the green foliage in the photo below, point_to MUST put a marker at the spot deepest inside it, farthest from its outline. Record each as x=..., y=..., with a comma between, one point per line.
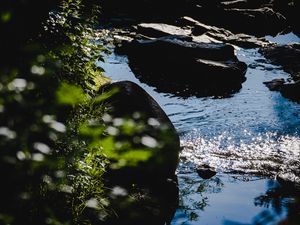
x=55, y=139
x=80, y=48
x=47, y=75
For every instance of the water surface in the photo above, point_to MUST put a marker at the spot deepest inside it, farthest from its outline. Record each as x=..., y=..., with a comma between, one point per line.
x=255, y=132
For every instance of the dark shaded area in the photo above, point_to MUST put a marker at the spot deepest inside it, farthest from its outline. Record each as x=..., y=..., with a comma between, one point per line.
x=35, y=155
x=246, y=16
x=143, y=205
x=21, y=21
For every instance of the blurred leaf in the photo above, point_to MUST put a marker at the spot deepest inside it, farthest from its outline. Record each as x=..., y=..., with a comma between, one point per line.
x=70, y=94
x=6, y=16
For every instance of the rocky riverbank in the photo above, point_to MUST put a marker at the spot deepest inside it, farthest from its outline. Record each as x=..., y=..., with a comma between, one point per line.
x=188, y=47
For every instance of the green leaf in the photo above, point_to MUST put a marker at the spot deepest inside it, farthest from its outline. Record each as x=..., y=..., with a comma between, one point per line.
x=68, y=94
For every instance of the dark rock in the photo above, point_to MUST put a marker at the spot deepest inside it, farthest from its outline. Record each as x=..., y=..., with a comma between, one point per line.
x=246, y=4
x=223, y=35
x=287, y=56
x=259, y=22
x=236, y=4
x=291, y=11
x=205, y=171
x=199, y=32
x=291, y=91
x=146, y=193
x=186, y=67
x=275, y=85
x=288, y=180
x=129, y=101
x=258, y=17
x=161, y=29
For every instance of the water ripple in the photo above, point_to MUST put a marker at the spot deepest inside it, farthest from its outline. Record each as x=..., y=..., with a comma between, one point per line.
x=261, y=153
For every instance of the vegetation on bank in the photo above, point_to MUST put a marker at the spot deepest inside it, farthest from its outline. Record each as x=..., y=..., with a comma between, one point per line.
x=51, y=158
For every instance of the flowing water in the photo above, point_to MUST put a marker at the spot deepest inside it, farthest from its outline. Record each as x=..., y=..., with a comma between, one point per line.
x=248, y=137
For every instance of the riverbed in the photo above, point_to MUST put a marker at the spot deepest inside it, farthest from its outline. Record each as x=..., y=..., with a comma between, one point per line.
x=248, y=138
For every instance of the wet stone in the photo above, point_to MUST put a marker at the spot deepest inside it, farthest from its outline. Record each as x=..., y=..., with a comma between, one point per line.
x=205, y=171
x=275, y=85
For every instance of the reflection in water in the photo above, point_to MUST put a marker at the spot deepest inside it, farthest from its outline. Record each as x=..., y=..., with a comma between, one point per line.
x=282, y=200
x=224, y=200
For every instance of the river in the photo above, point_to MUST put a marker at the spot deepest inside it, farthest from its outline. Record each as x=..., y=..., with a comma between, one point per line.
x=248, y=137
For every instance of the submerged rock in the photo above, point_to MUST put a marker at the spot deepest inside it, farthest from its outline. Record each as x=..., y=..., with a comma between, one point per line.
x=175, y=65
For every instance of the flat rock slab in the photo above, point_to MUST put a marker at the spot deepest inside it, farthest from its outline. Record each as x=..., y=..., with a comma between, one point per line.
x=161, y=29
x=223, y=35
x=199, y=32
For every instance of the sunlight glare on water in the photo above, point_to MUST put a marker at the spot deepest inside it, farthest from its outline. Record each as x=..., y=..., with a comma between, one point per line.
x=262, y=154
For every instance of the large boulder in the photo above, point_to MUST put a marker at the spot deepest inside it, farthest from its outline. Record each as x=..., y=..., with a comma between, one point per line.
x=178, y=65
x=154, y=133
x=145, y=193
